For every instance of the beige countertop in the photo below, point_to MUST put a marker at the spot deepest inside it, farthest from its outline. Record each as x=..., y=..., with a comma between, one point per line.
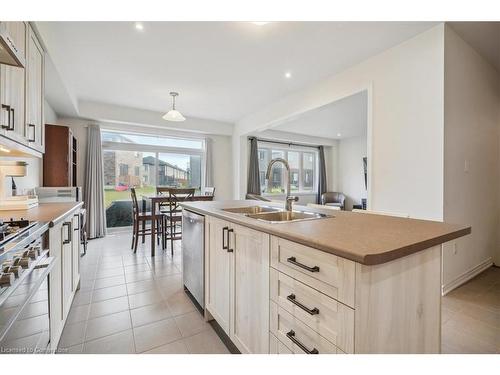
x=364, y=238
x=50, y=213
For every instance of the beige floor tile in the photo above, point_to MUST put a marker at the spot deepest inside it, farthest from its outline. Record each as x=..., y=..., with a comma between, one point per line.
x=177, y=347
x=108, y=293
x=487, y=316
x=136, y=268
x=191, y=323
x=111, y=272
x=206, y=342
x=156, y=334
x=107, y=325
x=78, y=314
x=144, y=299
x=73, y=334
x=75, y=349
x=179, y=303
x=119, y=343
x=141, y=286
x=108, y=306
x=139, y=276
x=82, y=298
x=109, y=281
x=149, y=314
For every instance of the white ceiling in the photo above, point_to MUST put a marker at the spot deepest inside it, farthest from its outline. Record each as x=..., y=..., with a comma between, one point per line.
x=483, y=36
x=347, y=117
x=222, y=70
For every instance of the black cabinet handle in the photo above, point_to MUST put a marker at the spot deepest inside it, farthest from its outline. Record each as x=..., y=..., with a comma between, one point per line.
x=34, y=132
x=70, y=232
x=7, y=108
x=293, y=260
x=13, y=119
x=314, y=311
x=291, y=336
x=229, y=250
x=224, y=237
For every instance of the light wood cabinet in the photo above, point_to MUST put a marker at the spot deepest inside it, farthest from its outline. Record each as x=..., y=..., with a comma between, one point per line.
x=35, y=92
x=22, y=90
x=250, y=289
x=218, y=292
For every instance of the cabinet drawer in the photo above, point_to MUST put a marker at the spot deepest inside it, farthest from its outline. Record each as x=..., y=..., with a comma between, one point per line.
x=298, y=337
x=330, y=274
x=276, y=346
x=330, y=318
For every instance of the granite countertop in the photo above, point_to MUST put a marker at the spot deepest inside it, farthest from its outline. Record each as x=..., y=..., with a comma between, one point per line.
x=364, y=238
x=50, y=213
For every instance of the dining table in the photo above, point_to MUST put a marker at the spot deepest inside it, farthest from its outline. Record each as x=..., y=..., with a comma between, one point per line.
x=156, y=200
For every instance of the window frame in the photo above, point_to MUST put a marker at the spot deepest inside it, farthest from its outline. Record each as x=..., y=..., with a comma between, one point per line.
x=269, y=147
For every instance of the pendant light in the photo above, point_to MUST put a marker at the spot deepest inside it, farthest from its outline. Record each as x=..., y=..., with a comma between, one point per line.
x=173, y=114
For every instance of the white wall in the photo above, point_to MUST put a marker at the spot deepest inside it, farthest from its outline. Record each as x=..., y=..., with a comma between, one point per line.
x=222, y=150
x=50, y=116
x=405, y=113
x=351, y=180
x=471, y=158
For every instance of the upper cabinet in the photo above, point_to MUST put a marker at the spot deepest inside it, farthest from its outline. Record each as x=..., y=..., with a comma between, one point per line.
x=35, y=93
x=22, y=90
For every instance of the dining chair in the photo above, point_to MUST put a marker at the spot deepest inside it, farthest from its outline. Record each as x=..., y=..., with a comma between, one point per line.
x=174, y=214
x=143, y=217
x=209, y=191
x=163, y=190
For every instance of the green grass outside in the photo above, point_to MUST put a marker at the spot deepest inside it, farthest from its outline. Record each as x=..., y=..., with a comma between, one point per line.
x=111, y=195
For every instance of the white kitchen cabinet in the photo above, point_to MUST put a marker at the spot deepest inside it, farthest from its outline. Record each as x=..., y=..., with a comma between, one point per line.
x=64, y=244
x=218, y=292
x=35, y=92
x=238, y=284
x=12, y=92
x=249, y=289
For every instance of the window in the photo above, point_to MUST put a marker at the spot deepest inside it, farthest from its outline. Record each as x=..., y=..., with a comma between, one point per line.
x=302, y=169
x=144, y=162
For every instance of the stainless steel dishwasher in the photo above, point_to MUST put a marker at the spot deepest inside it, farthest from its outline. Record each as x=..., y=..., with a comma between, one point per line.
x=193, y=255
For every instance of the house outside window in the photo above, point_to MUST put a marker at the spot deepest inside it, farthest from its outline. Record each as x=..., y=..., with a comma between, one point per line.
x=302, y=162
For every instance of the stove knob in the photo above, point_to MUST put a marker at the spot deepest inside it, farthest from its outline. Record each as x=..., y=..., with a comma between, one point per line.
x=25, y=262
x=6, y=279
x=16, y=261
x=32, y=254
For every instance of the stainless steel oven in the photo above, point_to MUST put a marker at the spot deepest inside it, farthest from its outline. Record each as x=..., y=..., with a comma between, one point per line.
x=24, y=290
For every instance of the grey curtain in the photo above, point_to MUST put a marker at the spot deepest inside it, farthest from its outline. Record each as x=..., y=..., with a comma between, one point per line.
x=321, y=174
x=209, y=169
x=253, y=183
x=94, y=185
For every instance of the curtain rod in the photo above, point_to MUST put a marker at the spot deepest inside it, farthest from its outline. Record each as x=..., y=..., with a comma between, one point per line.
x=282, y=142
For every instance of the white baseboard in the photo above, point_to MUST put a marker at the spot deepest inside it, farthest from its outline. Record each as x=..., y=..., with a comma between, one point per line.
x=466, y=276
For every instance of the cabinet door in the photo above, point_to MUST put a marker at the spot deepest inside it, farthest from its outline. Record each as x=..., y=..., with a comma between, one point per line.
x=67, y=265
x=218, y=273
x=34, y=92
x=55, y=282
x=250, y=289
x=13, y=88
x=75, y=253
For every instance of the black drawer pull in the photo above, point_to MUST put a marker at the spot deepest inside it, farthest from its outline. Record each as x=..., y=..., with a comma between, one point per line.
x=229, y=250
x=293, y=260
x=70, y=232
x=291, y=336
x=7, y=108
x=291, y=298
x=224, y=246
x=34, y=133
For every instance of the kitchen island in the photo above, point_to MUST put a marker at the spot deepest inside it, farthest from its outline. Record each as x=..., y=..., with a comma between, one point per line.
x=341, y=283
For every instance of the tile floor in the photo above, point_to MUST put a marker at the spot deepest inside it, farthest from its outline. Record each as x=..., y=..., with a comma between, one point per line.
x=471, y=316
x=136, y=304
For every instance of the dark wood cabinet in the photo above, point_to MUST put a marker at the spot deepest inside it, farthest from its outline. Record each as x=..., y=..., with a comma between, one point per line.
x=60, y=159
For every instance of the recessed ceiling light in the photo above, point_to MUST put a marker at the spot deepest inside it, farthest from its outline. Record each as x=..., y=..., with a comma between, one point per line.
x=339, y=135
x=288, y=75
x=259, y=23
x=139, y=26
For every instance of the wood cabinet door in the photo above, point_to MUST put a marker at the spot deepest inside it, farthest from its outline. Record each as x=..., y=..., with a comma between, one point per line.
x=13, y=87
x=55, y=282
x=250, y=289
x=34, y=92
x=75, y=253
x=218, y=295
x=67, y=265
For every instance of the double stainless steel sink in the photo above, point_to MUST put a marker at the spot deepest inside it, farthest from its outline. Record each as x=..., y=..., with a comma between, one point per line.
x=274, y=214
